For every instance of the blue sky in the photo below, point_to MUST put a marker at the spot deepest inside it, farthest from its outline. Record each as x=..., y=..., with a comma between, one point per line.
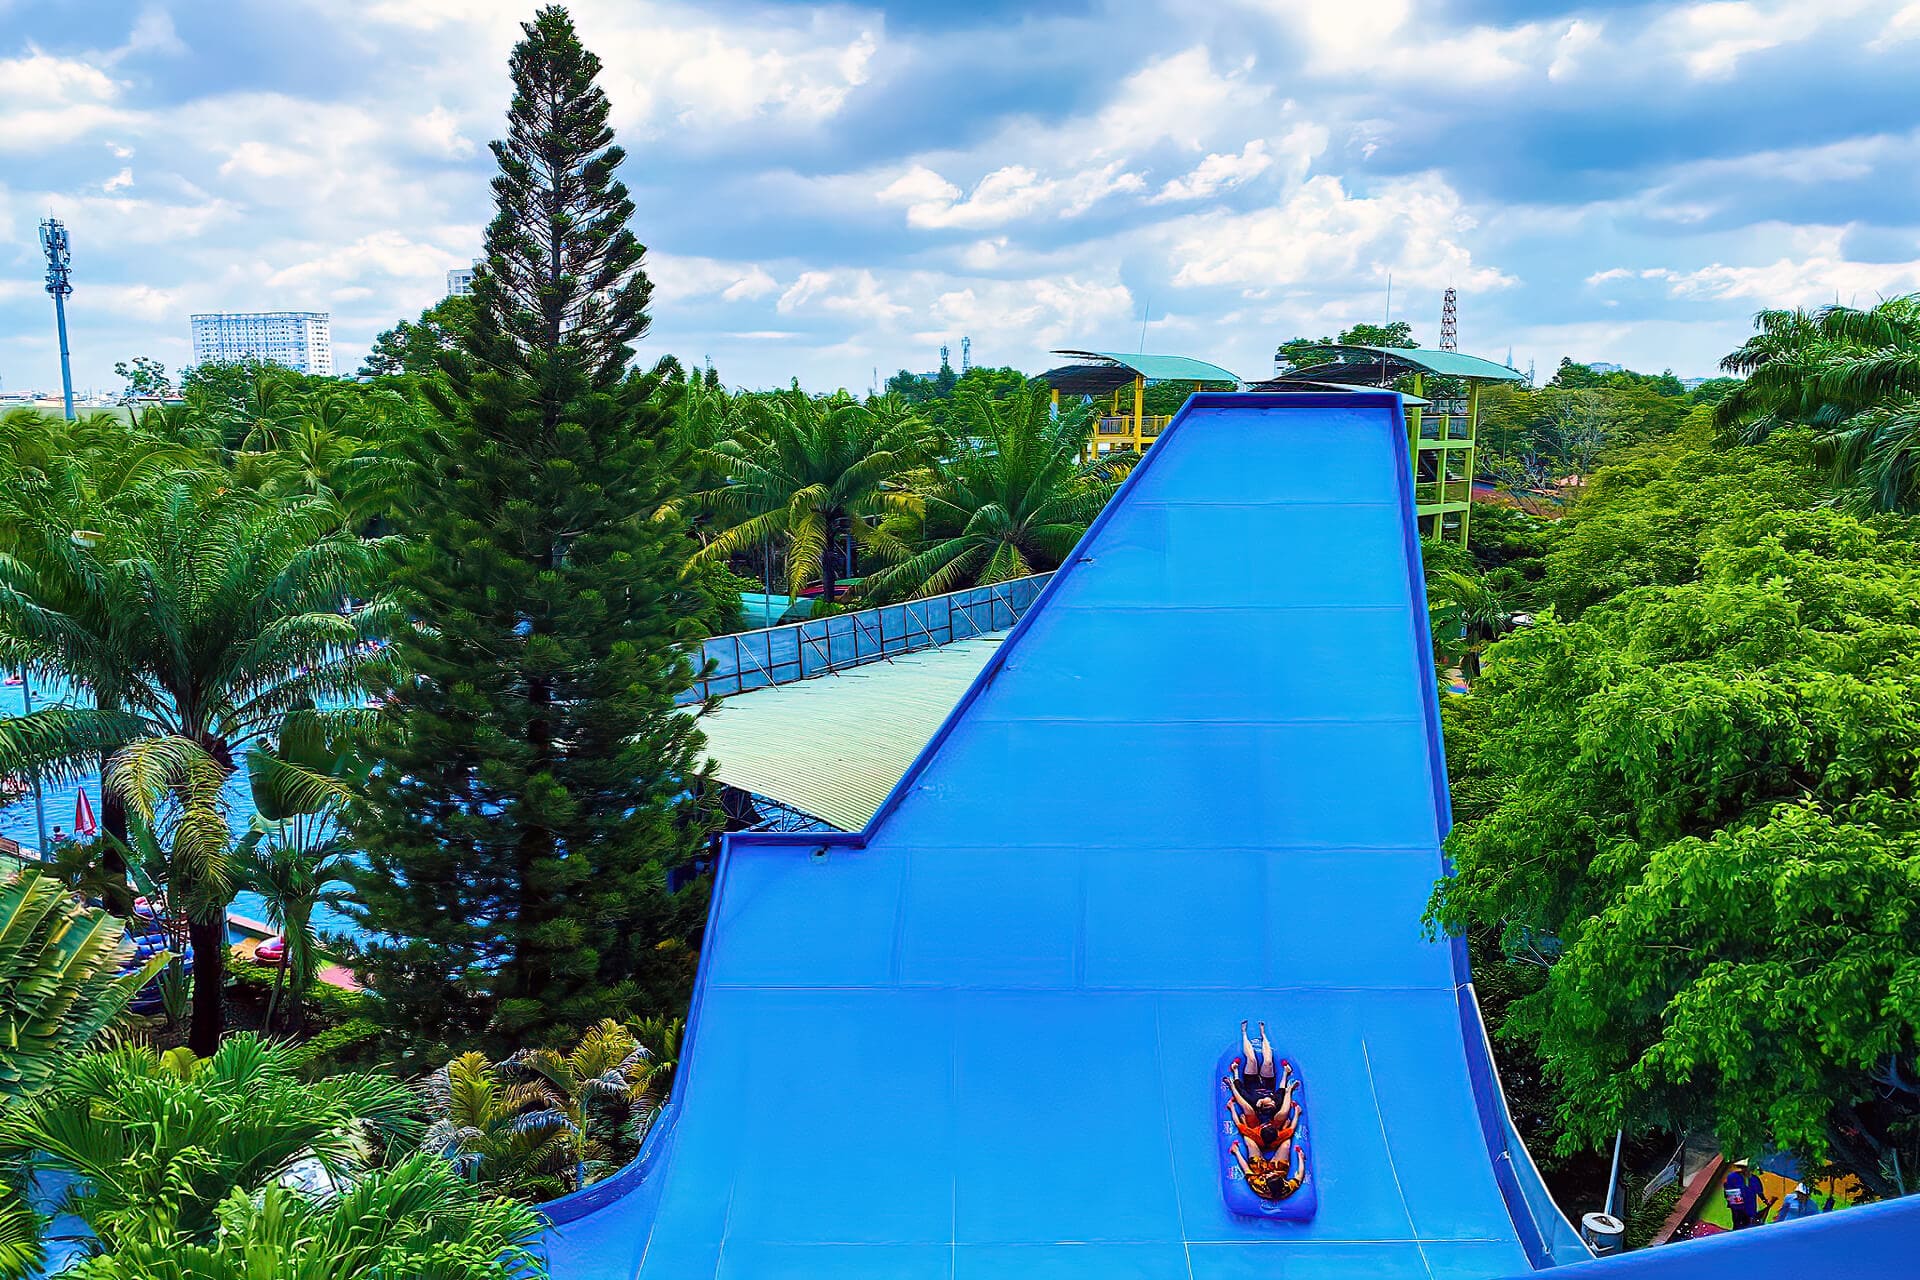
x=830, y=190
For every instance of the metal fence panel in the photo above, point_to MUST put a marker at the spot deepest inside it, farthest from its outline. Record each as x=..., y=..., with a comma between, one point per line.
x=818, y=646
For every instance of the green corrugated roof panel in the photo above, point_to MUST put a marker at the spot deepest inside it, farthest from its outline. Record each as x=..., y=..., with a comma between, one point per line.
x=1162, y=368
x=833, y=746
x=1448, y=364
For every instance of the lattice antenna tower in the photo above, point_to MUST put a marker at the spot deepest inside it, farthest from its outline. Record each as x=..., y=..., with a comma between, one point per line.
x=59, y=251
x=966, y=354
x=943, y=356
x=1450, y=319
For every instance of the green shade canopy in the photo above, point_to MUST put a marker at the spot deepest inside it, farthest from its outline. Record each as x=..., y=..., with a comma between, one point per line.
x=1101, y=372
x=833, y=746
x=1374, y=366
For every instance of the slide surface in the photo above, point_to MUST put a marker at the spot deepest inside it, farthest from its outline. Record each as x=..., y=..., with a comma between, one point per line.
x=1200, y=782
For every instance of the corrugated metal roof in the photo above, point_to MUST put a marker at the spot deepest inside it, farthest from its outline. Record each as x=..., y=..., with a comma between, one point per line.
x=834, y=746
x=1157, y=368
x=1449, y=364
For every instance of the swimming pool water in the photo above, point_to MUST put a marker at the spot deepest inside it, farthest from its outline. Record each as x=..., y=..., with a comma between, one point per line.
x=17, y=820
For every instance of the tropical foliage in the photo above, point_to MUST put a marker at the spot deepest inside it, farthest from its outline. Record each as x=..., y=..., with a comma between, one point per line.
x=502, y=1134
x=418, y=1219
x=67, y=974
x=196, y=614
x=157, y=1143
x=544, y=1122
x=1009, y=499
x=818, y=475
x=1851, y=375
x=294, y=853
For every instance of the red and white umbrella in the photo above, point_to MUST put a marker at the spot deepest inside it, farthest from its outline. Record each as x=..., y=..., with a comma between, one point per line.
x=83, y=824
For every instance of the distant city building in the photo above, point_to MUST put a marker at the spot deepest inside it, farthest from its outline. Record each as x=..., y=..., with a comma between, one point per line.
x=1601, y=366
x=1694, y=384
x=460, y=282
x=298, y=340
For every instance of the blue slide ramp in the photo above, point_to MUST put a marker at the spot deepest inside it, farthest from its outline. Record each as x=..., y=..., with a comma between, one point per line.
x=1200, y=782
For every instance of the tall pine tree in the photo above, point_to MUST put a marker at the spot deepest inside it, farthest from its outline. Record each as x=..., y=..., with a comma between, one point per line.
x=538, y=782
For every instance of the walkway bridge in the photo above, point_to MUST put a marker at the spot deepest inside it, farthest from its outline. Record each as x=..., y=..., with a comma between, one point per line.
x=978, y=1038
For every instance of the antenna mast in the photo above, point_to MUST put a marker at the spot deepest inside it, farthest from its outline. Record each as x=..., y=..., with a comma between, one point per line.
x=53, y=241
x=1450, y=320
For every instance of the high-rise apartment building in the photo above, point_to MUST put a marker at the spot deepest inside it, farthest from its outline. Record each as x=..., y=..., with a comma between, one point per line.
x=299, y=340
x=460, y=280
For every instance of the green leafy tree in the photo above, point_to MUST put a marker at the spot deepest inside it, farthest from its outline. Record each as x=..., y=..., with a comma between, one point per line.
x=1009, y=499
x=816, y=474
x=1298, y=353
x=538, y=781
x=157, y=1143
x=416, y=347
x=419, y=1218
x=66, y=976
x=145, y=378
x=1701, y=795
x=1641, y=520
x=1712, y=391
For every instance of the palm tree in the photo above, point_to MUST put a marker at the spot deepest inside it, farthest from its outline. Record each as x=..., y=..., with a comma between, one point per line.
x=22, y=1253
x=1854, y=377
x=328, y=443
x=66, y=975
x=417, y=1218
x=508, y=1136
x=158, y=1143
x=1468, y=615
x=1011, y=500
x=200, y=613
x=602, y=1078
x=294, y=854
x=814, y=474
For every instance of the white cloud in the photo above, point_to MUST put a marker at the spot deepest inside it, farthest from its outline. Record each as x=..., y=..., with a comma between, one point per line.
x=711, y=77
x=439, y=132
x=118, y=182
x=852, y=293
x=1219, y=171
x=1901, y=27
x=49, y=101
x=136, y=301
x=1822, y=276
x=679, y=279
x=1036, y=313
x=387, y=254
x=1712, y=38
x=1323, y=236
x=1006, y=195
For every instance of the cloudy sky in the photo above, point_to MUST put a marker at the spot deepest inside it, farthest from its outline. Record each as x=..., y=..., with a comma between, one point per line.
x=830, y=190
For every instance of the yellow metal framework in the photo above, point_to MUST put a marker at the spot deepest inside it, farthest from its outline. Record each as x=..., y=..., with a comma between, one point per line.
x=1442, y=437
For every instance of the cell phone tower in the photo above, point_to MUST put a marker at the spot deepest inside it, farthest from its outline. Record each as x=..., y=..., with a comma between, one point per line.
x=966, y=354
x=1450, y=320
x=53, y=241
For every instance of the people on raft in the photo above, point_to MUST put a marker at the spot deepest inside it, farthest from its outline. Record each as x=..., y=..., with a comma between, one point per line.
x=1276, y=1178
x=1256, y=1069
x=1267, y=1119
x=1267, y=1115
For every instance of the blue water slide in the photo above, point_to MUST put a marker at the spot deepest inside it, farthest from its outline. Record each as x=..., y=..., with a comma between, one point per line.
x=1200, y=782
